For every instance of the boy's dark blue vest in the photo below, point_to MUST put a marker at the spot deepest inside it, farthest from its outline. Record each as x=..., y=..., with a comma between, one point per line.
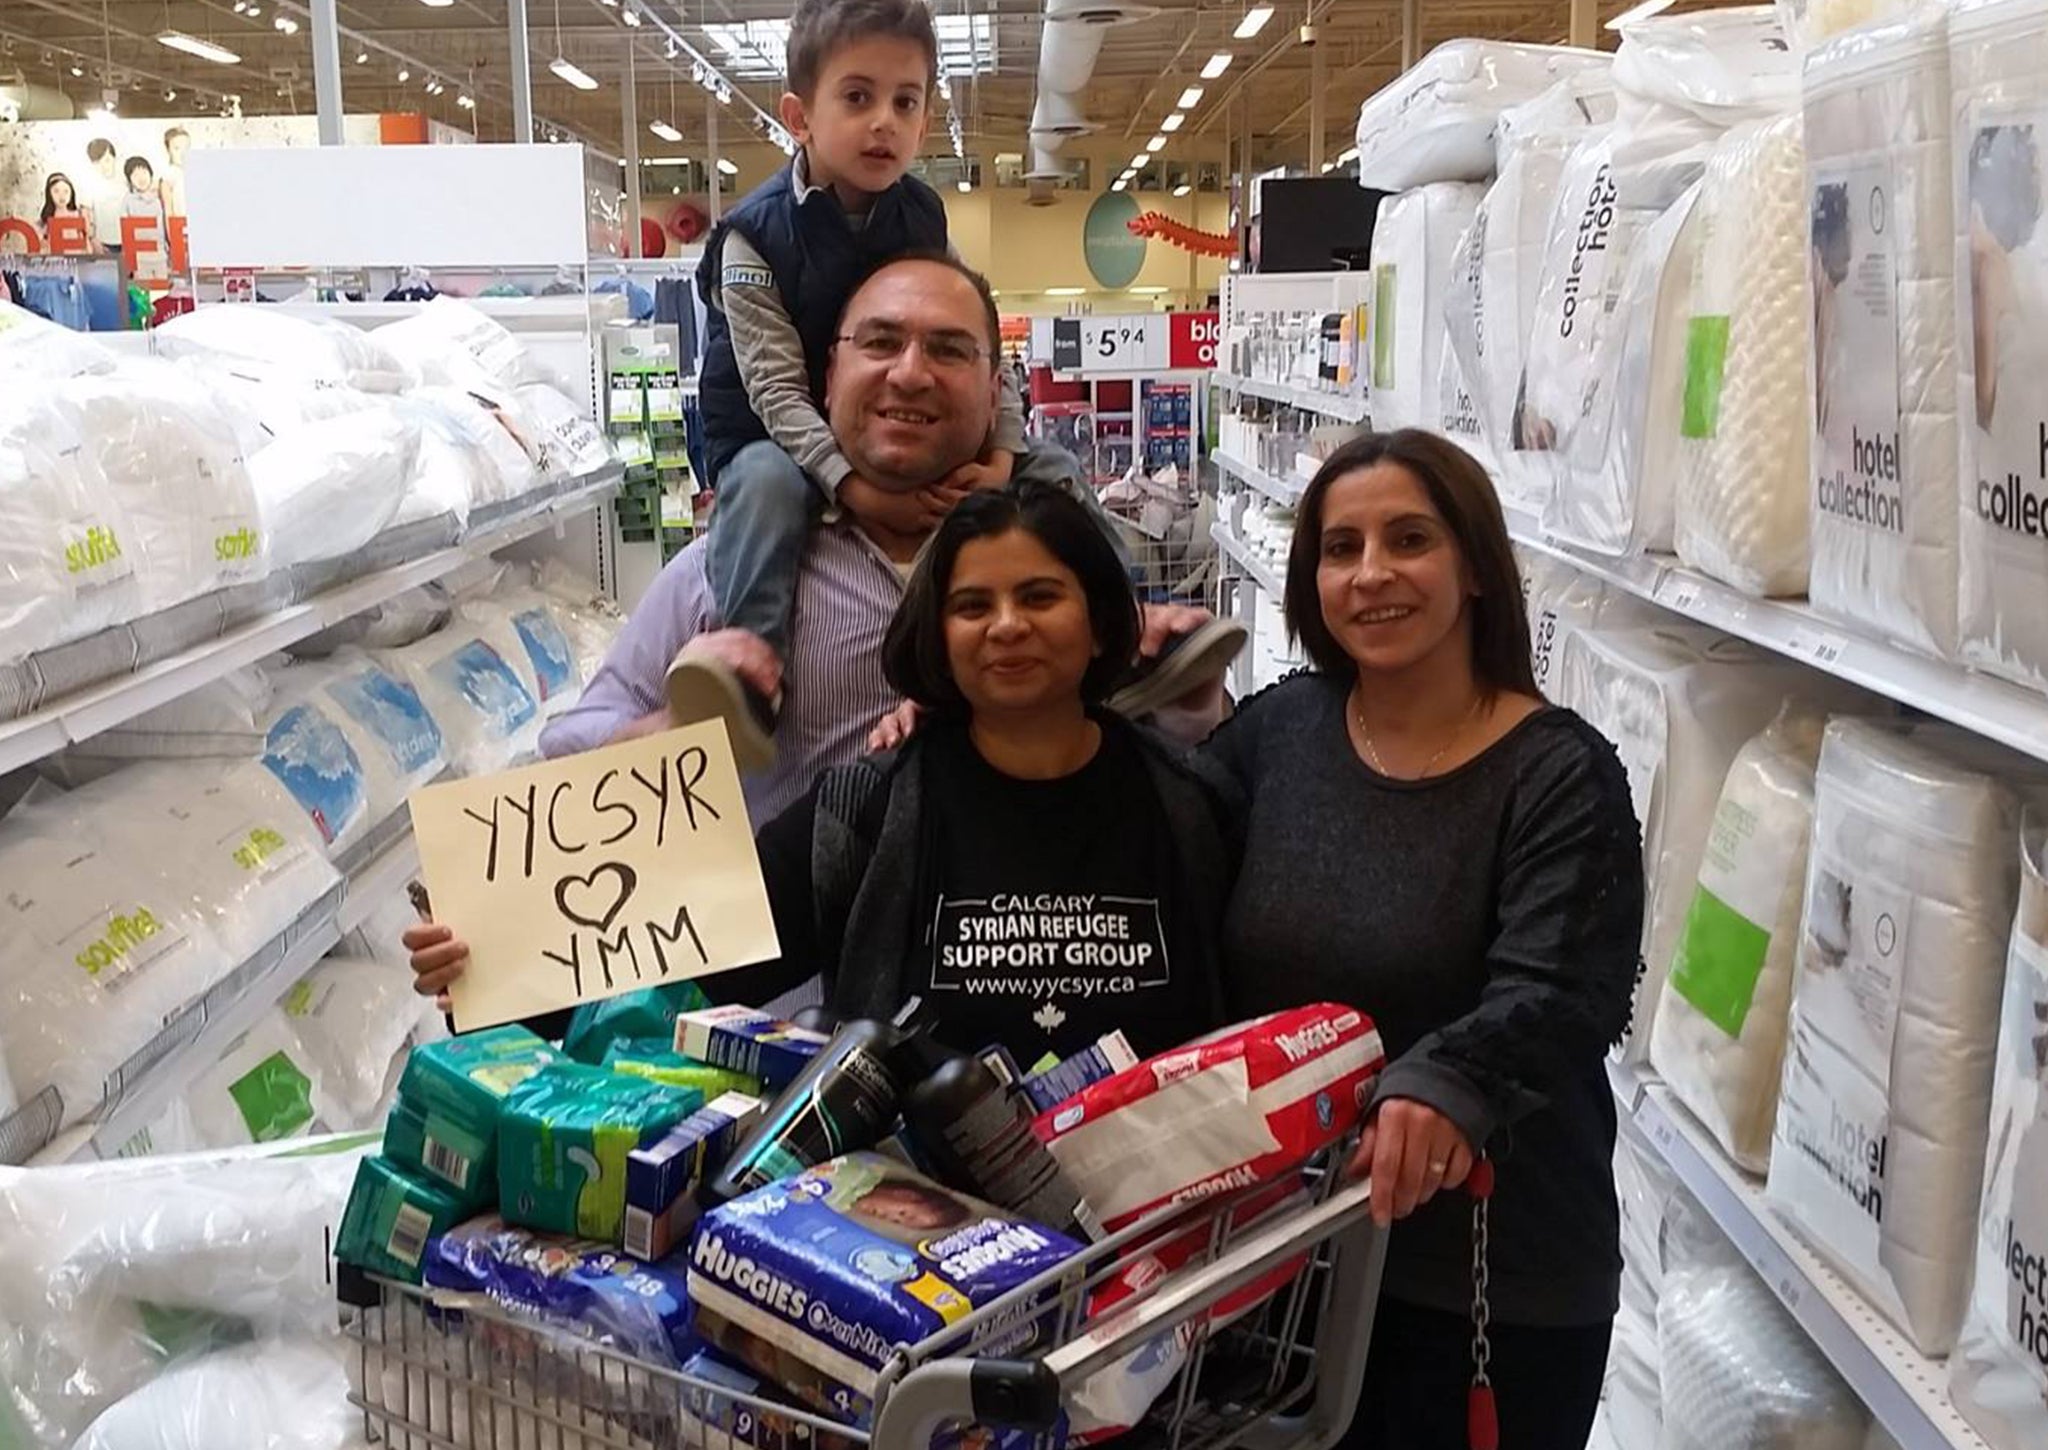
x=817, y=256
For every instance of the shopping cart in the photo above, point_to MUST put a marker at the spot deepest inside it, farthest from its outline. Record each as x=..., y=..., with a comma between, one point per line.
x=1284, y=1375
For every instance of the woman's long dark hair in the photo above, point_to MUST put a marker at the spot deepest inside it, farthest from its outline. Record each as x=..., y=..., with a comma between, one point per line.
x=50, y=195
x=1460, y=491
x=914, y=655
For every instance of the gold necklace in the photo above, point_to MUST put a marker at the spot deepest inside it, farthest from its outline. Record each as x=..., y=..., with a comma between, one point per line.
x=1372, y=752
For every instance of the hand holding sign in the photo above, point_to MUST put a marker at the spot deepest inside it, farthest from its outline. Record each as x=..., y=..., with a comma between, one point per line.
x=584, y=878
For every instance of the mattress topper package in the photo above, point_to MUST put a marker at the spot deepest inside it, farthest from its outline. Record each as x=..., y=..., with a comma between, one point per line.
x=2000, y=106
x=1724, y=66
x=263, y=1088
x=1436, y=123
x=1415, y=248
x=835, y=1267
x=1881, y=1125
x=275, y=344
x=1885, y=443
x=1742, y=481
x=587, y=1288
x=1719, y=1035
x=1998, y=1375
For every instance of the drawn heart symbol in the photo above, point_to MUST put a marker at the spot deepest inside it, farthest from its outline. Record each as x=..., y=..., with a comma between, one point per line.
x=623, y=878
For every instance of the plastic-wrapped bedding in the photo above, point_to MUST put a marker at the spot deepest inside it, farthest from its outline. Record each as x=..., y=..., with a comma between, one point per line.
x=1414, y=251
x=1436, y=123
x=1678, y=702
x=1998, y=1375
x=1884, y=513
x=1881, y=1127
x=1742, y=478
x=1560, y=598
x=1719, y=1037
x=270, y=1394
x=356, y=1017
x=488, y=719
x=1999, y=96
x=500, y=468
x=277, y=345
x=451, y=344
x=263, y=1088
x=84, y=1248
x=35, y=347
x=1491, y=303
x=525, y=629
x=325, y=489
x=177, y=476
x=1647, y=1190
x=561, y=437
x=66, y=566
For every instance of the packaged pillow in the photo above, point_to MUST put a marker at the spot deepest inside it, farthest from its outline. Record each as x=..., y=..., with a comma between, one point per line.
x=263, y=1088
x=1415, y=250
x=494, y=463
x=451, y=344
x=488, y=718
x=563, y=1138
x=814, y=1281
x=526, y=634
x=325, y=489
x=276, y=345
x=355, y=1017
x=35, y=347
x=560, y=436
x=280, y=1394
x=1998, y=1375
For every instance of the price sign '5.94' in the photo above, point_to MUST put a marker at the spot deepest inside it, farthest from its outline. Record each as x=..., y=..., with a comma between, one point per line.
x=595, y=875
x=1132, y=344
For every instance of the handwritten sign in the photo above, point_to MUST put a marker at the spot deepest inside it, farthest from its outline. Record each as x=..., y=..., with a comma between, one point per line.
x=598, y=874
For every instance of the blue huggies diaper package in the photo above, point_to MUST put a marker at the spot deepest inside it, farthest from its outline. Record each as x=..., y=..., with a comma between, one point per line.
x=585, y=1287
x=824, y=1274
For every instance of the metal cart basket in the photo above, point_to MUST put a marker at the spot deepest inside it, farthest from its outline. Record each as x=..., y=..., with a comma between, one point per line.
x=1283, y=1374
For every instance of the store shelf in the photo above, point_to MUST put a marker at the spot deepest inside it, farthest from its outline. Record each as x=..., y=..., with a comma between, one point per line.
x=1905, y=1390
x=2013, y=716
x=1314, y=400
x=1282, y=490
x=1254, y=567
x=101, y=707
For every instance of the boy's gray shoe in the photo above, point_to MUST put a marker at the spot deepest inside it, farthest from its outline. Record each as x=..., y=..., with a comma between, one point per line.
x=1186, y=663
x=708, y=689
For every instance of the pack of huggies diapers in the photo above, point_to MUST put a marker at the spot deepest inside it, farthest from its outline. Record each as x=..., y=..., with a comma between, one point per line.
x=814, y=1281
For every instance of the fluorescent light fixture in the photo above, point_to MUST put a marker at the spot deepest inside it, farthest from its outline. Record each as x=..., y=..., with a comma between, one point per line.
x=404, y=75
x=467, y=102
x=437, y=4
x=193, y=45
x=362, y=57
x=1183, y=189
x=286, y=25
x=727, y=168
x=1328, y=167
x=1143, y=158
x=78, y=70
x=965, y=186
x=1120, y=183
x=1189, y=99
x=1156, y=144
x=1174, y=122
x=1254, y=21
x=665, y=131
x=1639, y=12
x=1150, y=291
x=567, y=70
x=1064, y=291
x=1349, y=154
x=631, y=16
x=1218, y=64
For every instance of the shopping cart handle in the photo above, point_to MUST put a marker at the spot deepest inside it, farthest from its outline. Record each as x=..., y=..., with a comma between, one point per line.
x=1021, y=1394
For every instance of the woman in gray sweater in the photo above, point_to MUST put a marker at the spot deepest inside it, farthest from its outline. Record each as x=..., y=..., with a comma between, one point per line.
x=1431, y=842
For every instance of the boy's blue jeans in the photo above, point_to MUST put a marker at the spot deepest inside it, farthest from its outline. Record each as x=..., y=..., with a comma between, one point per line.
x=765, y=507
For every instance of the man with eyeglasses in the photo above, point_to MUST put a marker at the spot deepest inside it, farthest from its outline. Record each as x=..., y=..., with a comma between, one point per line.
x=911, y=392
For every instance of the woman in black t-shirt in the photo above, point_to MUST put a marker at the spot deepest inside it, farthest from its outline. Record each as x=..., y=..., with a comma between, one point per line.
x=1429, y=841
x=1035, y=868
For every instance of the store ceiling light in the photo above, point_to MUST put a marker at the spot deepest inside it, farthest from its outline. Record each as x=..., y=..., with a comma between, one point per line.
x=727, y=168
x=437, y=4
x=1151, y=290
x=1218, y=64
x=192, y=45
x=568, y=71
x=362, y=57
x=1064, y=291
x=630, y=15
x=404, y=75
x=964, y=185
x=1156, y=144
x=78, y=70
x=1119, y=184
x=1349, y=154
x=1143, y=158
x=1174, y=122
x=664, y=130
x=1183, y=189
x=1189, y=99
x=1639, y=12
x=1254, y=21
x=286, y=25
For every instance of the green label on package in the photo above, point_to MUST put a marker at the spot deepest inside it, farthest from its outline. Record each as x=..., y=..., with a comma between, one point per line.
x=274, y=1097
x=1720, y=955
x=1706, y=362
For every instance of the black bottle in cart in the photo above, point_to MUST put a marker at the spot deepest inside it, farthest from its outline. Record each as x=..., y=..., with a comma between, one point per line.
x=845, y=1100
x=978, y=1135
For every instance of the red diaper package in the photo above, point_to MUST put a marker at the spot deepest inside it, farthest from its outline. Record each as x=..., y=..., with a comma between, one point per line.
x=1240, y=1108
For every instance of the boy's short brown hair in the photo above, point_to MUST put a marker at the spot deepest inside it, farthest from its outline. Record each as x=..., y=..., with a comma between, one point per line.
x=820, y=27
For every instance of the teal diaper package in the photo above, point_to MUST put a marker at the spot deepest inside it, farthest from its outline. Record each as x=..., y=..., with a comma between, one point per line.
x=563, y=1140
x=654, y=1059
x=649, y=1012
x=445, y=1124
x=391, y=1215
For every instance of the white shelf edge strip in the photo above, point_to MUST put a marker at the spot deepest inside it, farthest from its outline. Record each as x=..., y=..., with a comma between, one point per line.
x=1230, y=544
x=1905, y=1390
x=107, y=704
x=1286, y=491
x=1994, y=708
x=1330, y=405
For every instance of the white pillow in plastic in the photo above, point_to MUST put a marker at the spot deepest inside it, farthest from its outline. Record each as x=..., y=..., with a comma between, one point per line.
x=177, y=477
x=451, y=472
x=264, y=1088
x=1998, y=1375
x=1995, y=74
x=1887, y=1091
x=1678, y=702
x=1740, y=1374
x=1560, y=598
x=1414, y=251
x=1809, y=23
x=1647, y=1189
x=263, y=409
x=355, y=1017
x=1885, y=446
x=96, y=950
x=1725, y=66
x=327, y=488
x=590, y=618
x=272, y=1394
x=452, y=344
x=488, y=718
x=563, y=440
x=525, y=629
x=388, y=716
x=34, y=347
x=1719, y=1038
x=275, y=344
x=1742, y=478
x=1436, y=122
x=478, y=420
x=66, y=566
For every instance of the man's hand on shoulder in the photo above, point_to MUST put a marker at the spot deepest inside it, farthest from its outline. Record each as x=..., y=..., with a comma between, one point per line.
x=911, y=513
